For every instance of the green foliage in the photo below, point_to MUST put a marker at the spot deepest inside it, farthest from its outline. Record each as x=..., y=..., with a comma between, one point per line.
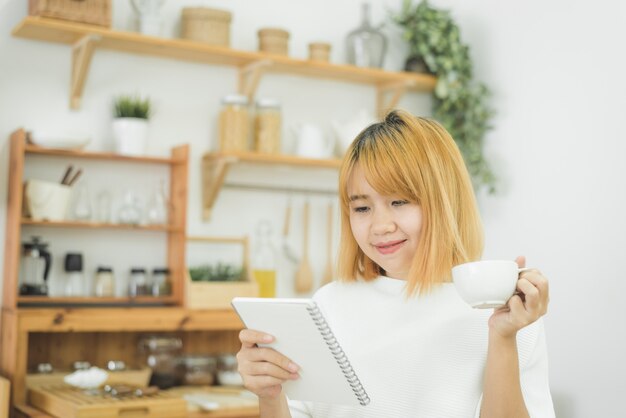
x=219, y=273
x=132, y=107
x=460, y=104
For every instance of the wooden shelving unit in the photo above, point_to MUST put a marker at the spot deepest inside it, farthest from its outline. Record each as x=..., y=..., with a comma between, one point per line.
x=85, y=39
x=216, y=165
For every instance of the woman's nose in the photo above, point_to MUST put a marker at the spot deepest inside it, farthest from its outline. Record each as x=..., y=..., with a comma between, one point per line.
x=383, y=222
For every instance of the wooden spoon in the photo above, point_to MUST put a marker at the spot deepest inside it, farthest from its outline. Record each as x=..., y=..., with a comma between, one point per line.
x=304, y=275
x=328, y=272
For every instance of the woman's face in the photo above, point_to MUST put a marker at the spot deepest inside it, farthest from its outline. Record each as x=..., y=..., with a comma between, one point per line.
x=386, y=228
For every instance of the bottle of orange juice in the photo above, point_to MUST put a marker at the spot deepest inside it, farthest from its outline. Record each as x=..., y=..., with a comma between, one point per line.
x=264, y=260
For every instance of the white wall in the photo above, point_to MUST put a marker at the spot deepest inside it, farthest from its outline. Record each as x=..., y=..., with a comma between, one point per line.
x=556, y=70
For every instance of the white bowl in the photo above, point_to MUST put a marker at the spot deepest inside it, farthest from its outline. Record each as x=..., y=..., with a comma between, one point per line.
x=486, y=284
x=68, y=140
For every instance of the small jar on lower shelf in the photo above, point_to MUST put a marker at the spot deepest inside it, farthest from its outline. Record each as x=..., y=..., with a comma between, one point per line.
x=104, y=285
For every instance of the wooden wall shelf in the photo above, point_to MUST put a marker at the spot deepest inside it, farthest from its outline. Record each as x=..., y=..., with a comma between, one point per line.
x=34, y=149
x=215, y=167
x=94, y=301
x=85, y=39
x=95, y=225
x=126, y=319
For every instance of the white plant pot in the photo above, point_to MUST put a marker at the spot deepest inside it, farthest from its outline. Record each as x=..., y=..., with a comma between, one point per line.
x=130, y=135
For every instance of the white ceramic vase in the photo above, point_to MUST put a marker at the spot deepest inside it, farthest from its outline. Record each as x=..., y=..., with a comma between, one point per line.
x=130, y=135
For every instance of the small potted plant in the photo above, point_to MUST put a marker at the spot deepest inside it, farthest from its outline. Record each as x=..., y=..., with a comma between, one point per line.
x=130, y=126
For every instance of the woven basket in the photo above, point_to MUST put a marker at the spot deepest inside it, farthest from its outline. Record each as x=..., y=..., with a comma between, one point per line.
x=206, y=25
x=92, y=12
x=274, y=41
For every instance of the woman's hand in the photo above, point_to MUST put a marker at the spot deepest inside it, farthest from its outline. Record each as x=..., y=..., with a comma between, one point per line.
x=528, y=304
x=263, y=369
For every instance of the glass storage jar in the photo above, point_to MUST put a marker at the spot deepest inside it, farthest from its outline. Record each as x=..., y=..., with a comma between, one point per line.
x=138, y=283
x=267, y=126
x=160, y=283
x=160, y=354
x=227, y=373
x=105, y=282
x=234, y=123
x=198, y=369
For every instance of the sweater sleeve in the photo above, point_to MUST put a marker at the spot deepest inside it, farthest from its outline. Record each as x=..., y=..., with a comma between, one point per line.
x=299, y=409
x=534, y=371
x=533, y=364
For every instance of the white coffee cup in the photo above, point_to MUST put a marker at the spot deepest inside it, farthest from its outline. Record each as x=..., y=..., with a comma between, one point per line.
x=488, y=283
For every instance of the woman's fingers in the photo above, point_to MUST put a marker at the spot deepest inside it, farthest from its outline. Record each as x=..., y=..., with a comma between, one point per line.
x=265, y=368
x=249, y=338
x=273, y=356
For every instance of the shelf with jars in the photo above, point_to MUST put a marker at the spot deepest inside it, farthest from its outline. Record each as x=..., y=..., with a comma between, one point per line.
x=85, y=39
x=59, y=330
x=20, y=290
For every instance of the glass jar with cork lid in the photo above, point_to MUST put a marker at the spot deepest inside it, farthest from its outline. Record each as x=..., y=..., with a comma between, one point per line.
x=234, y=123
x=267, y=126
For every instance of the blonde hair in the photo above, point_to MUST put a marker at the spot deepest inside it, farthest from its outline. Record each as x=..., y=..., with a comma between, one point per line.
x=417, y=159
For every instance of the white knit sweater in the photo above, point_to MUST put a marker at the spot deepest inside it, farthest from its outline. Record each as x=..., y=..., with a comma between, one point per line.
x=422, y=357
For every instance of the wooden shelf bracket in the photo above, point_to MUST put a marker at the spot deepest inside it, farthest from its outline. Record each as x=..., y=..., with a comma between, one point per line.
x=397, y=89
x=250, y=75
x=82, y=51
x=213, y=173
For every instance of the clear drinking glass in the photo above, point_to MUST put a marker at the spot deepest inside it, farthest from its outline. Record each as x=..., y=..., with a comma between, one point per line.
x=82, y=205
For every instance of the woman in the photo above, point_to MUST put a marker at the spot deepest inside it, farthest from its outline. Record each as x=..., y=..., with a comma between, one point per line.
x=408, y=216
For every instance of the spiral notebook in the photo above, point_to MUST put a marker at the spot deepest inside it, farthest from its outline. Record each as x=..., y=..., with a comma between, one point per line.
x=302, y=334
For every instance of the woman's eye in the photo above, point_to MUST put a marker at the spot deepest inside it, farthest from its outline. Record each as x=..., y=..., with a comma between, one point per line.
x=399, y=202
x=360, y=209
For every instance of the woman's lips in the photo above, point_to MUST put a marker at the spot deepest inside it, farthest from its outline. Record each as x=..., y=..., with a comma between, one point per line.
x=390, y=247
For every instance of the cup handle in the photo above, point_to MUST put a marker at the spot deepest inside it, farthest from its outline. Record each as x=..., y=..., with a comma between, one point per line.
x=525, y=269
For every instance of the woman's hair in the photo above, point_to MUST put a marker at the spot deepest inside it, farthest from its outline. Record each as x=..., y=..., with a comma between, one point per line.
x=416, y=159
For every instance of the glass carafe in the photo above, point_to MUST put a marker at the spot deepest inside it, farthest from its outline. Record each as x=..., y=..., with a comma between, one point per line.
x=366, y=45
x=35, y=265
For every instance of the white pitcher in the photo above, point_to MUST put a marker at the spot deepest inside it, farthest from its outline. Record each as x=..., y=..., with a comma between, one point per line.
x=149, y=16
x=312, y=141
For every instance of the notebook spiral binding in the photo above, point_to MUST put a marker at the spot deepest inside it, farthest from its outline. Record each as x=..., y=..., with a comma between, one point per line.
x=339, y=355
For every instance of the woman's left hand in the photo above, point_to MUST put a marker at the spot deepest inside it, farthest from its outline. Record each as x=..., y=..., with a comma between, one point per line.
x=528, y=304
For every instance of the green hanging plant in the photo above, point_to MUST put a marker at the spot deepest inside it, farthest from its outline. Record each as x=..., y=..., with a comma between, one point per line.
x=460, y=104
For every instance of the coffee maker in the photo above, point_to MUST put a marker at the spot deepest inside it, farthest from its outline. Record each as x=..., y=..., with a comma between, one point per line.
x=34, y=268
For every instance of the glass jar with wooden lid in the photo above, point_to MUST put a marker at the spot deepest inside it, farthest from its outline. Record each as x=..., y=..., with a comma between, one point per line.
x=267, y=126
x=234, y=123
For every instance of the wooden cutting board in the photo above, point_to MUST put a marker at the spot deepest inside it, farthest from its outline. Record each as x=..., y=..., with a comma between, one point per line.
x=64, y=401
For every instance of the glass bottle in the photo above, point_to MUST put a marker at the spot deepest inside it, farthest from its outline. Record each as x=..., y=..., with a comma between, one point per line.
x=130, y=211
x=105, y=282
x=267, y=126
x=264, y=261
x=366, y=45
x=157, y=212
x=74, y=285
